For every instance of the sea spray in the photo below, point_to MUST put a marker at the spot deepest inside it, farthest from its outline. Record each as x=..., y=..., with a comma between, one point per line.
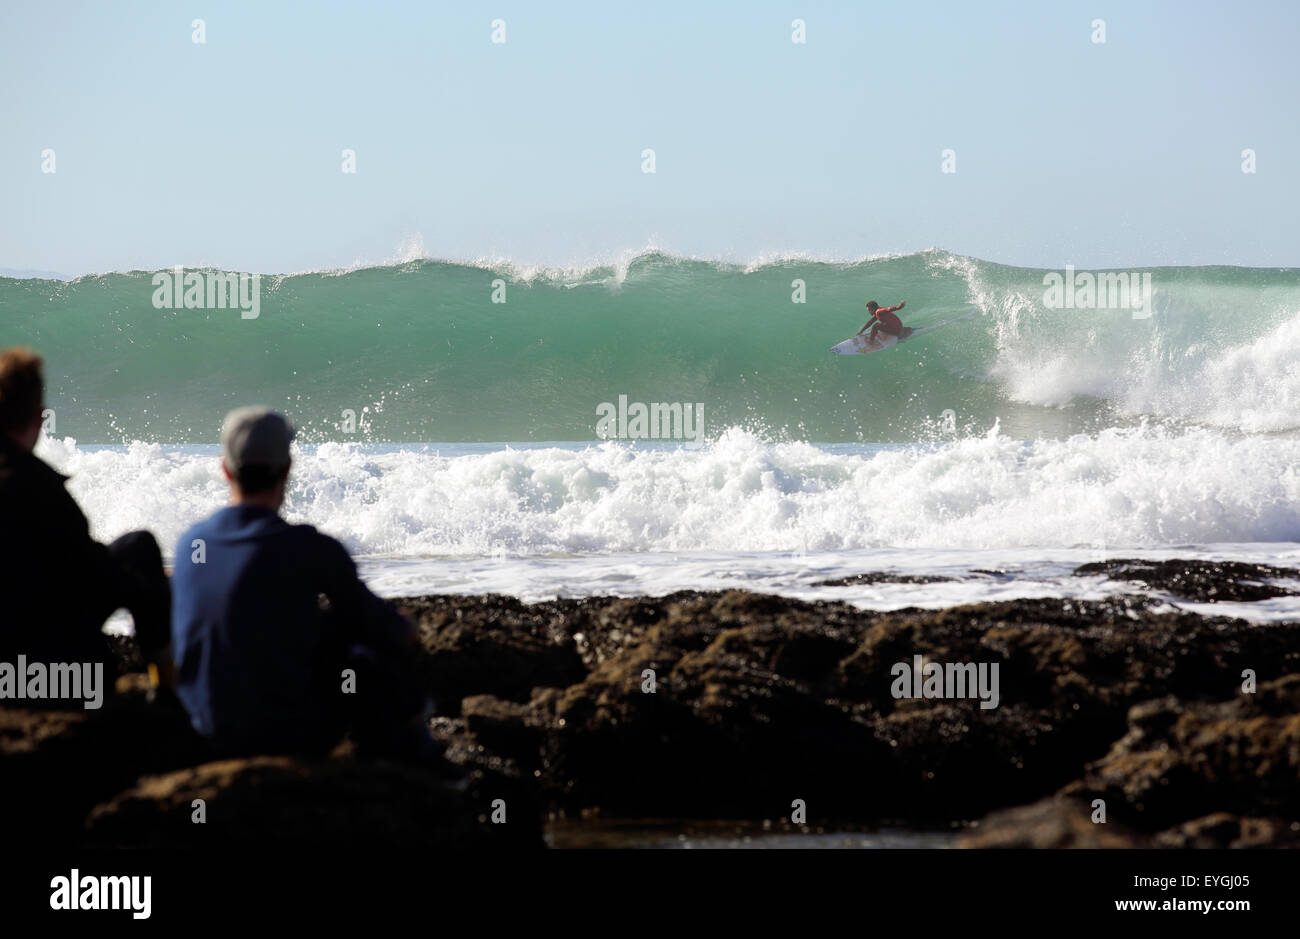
x=1146, y=486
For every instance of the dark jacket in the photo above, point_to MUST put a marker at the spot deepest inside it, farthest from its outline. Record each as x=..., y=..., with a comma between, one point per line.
x=57, y=584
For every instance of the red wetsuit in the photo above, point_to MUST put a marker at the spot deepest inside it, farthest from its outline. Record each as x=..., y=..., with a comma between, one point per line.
x=885, y=320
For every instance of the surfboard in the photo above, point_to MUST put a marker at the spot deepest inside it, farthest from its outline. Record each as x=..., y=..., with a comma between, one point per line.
x=858, y=345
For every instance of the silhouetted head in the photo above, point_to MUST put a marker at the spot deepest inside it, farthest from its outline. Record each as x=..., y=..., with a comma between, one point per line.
x=872, y=306
x=22, y=390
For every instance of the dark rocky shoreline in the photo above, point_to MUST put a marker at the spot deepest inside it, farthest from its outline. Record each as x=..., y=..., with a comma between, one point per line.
x=758, y=701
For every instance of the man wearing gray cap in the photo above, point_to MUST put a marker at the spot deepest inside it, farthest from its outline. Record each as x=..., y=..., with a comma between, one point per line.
x=262, y=665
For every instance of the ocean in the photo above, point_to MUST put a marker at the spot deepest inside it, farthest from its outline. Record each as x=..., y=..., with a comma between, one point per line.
x=453, y=443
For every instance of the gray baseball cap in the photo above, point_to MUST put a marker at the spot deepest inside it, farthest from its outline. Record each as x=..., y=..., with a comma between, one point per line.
x=255, y=436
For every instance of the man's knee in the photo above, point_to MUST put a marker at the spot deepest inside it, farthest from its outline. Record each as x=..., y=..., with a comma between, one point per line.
x=146, y=590
x=393, y=687
x=138, y=551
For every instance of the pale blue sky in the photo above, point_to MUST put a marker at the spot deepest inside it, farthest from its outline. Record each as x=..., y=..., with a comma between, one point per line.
x=228, y=153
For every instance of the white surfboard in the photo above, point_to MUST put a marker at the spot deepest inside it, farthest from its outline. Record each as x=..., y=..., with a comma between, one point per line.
x=858, y=345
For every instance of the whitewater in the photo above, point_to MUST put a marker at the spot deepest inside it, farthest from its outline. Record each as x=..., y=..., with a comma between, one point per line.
x=998, y=453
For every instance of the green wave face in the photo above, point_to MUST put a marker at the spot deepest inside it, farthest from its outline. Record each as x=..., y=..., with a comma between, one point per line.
x=420, y=351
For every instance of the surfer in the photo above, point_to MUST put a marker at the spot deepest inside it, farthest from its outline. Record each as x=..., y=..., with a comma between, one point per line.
x=884, y=320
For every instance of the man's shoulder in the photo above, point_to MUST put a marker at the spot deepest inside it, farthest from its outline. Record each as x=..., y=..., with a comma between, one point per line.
x=204, y=525
x=229, y=521
x=31, y=487
x=311, y=535
x=302, y=537
x=309, y=549
x=18, y=467
x=226, y=524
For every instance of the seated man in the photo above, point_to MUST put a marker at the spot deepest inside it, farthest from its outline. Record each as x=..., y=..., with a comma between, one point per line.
x=261, y=665
x=58, y=584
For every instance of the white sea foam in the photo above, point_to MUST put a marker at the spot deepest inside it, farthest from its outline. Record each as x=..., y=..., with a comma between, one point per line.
x=1142, y=487
x=1190, y=361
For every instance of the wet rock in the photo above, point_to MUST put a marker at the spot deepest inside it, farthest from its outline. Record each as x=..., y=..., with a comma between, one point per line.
x=761, y=700
x=504, y=726
x=133, y=768
x=724, y=732
x=495, y=646
x=1202, y=581
x=735, y=705
x=323, y=803
x=1184, y=760
x=56, y=764
x=1049, y=823
x=883, y=577
x=1224, y=830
